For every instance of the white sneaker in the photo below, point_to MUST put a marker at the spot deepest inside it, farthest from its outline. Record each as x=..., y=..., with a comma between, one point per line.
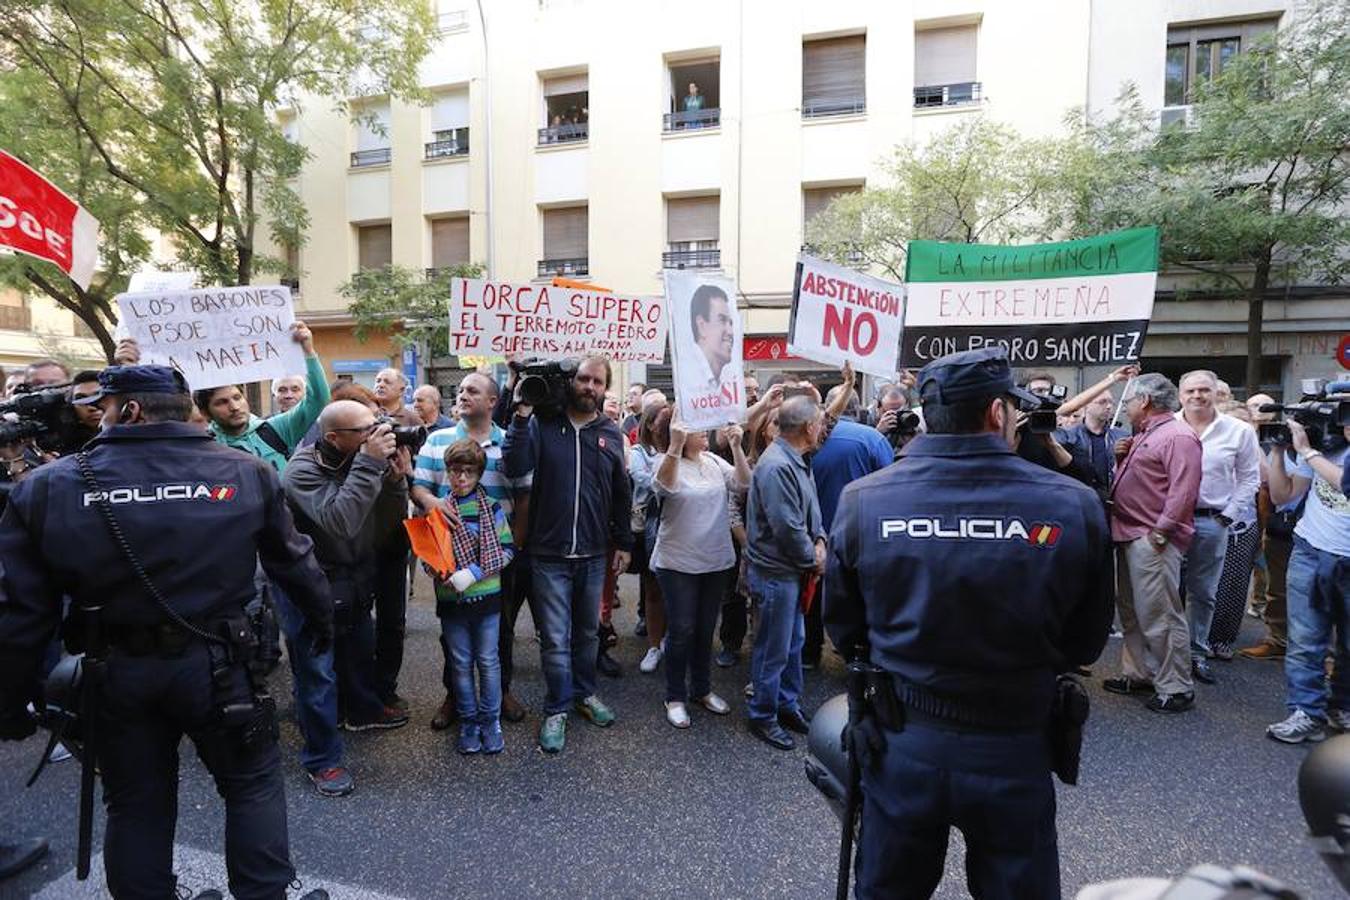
x=1297, y=729
x=749, y=690
x=713, y=704
x=677, y=714
x=650, y=661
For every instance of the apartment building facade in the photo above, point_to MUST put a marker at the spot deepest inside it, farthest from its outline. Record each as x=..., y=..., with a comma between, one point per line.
x=608, y=140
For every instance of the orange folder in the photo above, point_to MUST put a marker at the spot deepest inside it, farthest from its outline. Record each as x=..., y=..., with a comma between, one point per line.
x=431, y=543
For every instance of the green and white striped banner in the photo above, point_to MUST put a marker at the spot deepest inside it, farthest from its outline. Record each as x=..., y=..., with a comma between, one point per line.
x=1070, y=303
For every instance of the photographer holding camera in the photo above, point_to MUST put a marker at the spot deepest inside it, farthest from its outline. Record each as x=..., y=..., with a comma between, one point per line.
x=576, y=457
x=1318, y=581
x=346, y=491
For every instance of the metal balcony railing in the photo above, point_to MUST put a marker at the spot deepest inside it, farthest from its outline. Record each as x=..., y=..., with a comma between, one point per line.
x=575, y=266
x=452, y=142
x=691, y=259
x=931, y=95
x=563, y=134
x=378, y=157
x=853, y=255
x=834, y=108
x=692, y=119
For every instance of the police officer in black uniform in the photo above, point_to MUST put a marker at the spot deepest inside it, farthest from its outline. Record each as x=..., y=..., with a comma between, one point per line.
x=195, y=515
x=971, y=578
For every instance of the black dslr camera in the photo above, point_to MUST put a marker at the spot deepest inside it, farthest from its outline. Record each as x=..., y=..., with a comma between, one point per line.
x=43, y=415
x=543, y=383
x=1045, y=418
x=1323, y=410
x=410, y=436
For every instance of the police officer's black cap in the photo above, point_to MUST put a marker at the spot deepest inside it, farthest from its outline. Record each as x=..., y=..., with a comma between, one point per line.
x=972, y=375
x=136, y=380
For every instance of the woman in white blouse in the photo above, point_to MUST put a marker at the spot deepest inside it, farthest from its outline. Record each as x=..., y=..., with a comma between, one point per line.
x=693, y=558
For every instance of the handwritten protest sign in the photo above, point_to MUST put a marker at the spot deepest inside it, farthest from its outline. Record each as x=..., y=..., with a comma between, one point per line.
x=705, y=348
x=1072, y=303
x=839, y=315
x=216, y=336
x=493, y=318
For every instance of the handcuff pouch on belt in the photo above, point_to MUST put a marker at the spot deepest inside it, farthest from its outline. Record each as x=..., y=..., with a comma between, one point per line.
x=242, y=705
x=1067, y=717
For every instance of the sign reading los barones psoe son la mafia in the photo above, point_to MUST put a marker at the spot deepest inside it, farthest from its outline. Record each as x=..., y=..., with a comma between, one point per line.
x=1072, y=303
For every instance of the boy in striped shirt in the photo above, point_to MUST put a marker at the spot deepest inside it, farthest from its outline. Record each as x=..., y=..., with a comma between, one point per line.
x=469, y=603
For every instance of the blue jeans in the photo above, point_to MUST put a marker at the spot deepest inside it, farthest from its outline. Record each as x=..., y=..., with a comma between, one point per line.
x=566, y=594
x=1203, y=566
x=1318, y=587
x=692, y=602
x=472, y=641
x=776, y=660
x=315, y=689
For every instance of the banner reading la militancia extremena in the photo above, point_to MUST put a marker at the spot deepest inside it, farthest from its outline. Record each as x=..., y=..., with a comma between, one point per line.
x=1073, y=303
x=38, y=219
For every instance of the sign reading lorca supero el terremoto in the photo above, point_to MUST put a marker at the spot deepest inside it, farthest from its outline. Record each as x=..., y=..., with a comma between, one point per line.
x=1072, y=303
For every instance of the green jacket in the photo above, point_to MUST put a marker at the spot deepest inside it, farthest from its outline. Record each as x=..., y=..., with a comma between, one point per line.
x=290, y=426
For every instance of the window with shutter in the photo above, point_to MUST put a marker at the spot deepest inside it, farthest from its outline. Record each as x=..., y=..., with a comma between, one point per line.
x=374, y=246
x=833, y=76
x=565, y=243
x=814, y=200
x=1197, y=53
x=449, y=125
x=566, y=109
x=944, y=66
x=449, y=242
x=371, y=135
x=692, y=233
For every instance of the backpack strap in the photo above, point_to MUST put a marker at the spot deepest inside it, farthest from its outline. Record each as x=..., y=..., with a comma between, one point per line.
x=269, y=436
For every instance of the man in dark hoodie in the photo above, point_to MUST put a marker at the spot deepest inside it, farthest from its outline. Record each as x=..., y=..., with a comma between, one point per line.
x=580, y=490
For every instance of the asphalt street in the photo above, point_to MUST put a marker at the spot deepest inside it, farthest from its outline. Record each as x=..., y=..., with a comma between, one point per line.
x=643, y=810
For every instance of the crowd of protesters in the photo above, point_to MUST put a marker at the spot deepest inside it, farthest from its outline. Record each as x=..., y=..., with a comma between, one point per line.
x=726, y=533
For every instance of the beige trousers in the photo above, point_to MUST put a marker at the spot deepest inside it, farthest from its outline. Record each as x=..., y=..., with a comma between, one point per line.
x=1148, y=598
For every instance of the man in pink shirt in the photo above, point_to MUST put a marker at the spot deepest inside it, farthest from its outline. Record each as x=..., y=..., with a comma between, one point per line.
x=1152, y=523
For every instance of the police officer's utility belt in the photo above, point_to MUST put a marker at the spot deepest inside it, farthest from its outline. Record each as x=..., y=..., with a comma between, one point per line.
x=165, y=639
x=911, y=704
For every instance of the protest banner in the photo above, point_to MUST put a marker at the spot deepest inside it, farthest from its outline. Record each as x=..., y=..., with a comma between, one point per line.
x=217, y=335
x=705, y=349
x=37, y=218
x=493, y=318
x=1072, y=303
x=839, y=316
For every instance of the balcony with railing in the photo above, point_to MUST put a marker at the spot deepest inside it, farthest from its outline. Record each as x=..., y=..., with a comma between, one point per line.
x=692, y=119
x=448, y=143
x=16, y=318
x=853, y=255
x=565, y=133
x=378, y=157
x=701, y=258
x=932, y=96
x=825, y=109
x=565, y=267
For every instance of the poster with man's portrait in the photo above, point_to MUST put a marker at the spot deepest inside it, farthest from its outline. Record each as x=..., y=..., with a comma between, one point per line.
x=705, y=348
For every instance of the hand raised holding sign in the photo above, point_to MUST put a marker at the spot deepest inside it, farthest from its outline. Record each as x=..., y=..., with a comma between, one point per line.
x=303, y=336
x=678, y=436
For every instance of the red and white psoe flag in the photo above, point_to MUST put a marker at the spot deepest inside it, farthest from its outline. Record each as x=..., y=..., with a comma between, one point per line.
x=37, y=218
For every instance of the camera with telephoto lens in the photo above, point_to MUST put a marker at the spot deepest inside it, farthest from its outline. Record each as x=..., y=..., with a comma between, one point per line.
x=42, y=415
x=1323, y=411
x=543, y=382
x=1045, y=418
x=410, y=436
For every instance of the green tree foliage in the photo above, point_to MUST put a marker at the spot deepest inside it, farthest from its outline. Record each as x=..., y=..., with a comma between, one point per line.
x=176, y=102
x=399, y=297
x=1252, y=193
x=977, y=182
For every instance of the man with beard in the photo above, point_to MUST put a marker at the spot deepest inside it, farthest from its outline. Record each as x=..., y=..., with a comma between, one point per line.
x=576, y=457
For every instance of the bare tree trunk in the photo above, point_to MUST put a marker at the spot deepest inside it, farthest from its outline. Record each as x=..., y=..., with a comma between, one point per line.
x=1256, y=308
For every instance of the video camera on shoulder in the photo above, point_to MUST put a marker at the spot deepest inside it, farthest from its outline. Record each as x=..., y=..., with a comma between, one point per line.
x=1045, y=418
x=42, y=415
x=1323, y=410
x=410, y=436
x=543, y=383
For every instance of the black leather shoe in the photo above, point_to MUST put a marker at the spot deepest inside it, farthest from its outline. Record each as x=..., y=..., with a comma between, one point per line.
x=446, y=715
x=773, y=734
x=795, y=721
x=1171, y=703
x=605, y=665
x=1126, y=685
x=1200, y=668
x=14, y=858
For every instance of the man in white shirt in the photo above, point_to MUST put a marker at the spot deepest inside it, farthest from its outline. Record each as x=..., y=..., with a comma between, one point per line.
x=1230, y=478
